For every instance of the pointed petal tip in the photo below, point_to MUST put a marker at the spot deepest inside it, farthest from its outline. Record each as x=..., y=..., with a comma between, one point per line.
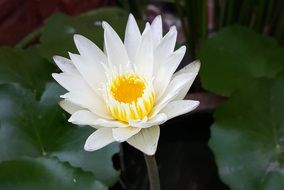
x=71, y=119
x=131, y=16
x=76, y=36
x=183, y=48
x=196, y=64
x=173, y=29
x=70, y=54
x=157, y=21
x=55, y=58
x=195, y=104
x=55, y=76
x=148, y=25
x=150, y=153
x=63, y=96
x=105, y=25
x=88, y=148
x=147, y=29
x=158, y=17
x=73, y=55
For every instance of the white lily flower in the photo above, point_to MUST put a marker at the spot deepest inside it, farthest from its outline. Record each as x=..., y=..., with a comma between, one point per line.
x=130, y=88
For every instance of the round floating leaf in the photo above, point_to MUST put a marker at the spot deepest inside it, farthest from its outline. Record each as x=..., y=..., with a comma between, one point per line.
x=234, y=56
x=248, y=136
x=40, y=129
x=88, y=25
x=45, y=174
x=24, y=67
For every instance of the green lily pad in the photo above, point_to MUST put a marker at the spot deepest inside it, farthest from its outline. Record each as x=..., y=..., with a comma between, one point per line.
x=40, y=129
x=236, y=55
x=57, y=36
x=24, y=67
x=248, y=136
x=45, y=174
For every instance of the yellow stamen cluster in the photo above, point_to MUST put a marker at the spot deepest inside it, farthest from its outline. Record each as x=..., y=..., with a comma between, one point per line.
x=133, y=98
x=127, y=88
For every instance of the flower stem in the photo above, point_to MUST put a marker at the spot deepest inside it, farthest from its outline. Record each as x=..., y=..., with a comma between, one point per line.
x=153, y=172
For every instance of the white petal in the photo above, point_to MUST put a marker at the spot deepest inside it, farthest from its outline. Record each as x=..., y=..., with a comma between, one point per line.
x=122, y=134
x=115, y=49
x=65, y=65
x=89, y=50
x=69, y=106
x=179, y=107
x=84, y=117
x=172, y=91
x=72, y=82
x=192, y=69
x=144, y=57
x=81, y=94
x=157, y=30
x=164, y=50
x=100, y=138
x=132, y=37
x=146, y=140
x=94, y=74
x=156, y=120
x=167, y=45
x=88, y=101
x=164, y=75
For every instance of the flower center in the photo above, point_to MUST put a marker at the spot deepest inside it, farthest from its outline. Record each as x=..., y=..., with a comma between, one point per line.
x=127, y=88
x=130, y=97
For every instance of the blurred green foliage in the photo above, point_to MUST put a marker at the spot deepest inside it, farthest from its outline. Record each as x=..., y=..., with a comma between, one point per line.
x=237, y=62
x=236, y=55
x=39, y=148
x=247, y=136
x=242, y=60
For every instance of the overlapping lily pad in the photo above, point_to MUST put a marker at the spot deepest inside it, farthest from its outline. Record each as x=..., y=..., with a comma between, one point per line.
x=40, y=130
x=24, y=67
x=236, y=55
x=57, y=36
x=46, y=174
x=36, y=140
x=248, y=136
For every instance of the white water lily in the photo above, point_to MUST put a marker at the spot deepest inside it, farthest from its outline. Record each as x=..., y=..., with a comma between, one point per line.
x=130, y=88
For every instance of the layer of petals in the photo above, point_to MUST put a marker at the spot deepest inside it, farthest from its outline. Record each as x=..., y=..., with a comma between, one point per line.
x=65, y=65
x=69, y=106
x=175, y=87
x=100, y=138
x=84, y=117
x=144, y=58
x=157, y=120
x=117, y=55
x=132, y=38
x=89, y=50
x=179, y=107
x=165, y=73
x=122, y=134
x=192, y=71
x=166, y=46
x=157, y=30
x=162, y=53
x=146, y=140
x=80, y=93
x=92, y=72
x=89, y=102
